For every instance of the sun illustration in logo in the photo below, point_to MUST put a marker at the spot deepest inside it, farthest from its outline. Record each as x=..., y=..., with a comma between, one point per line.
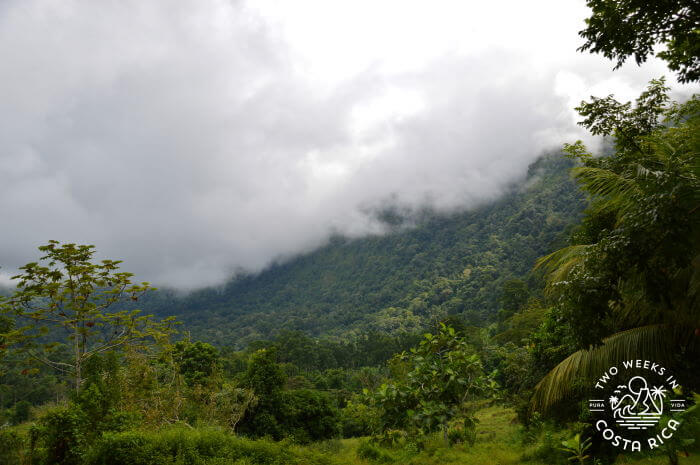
x=636, y=406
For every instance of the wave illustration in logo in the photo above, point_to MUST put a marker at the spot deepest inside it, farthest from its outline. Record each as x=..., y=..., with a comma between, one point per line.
x=635, y=405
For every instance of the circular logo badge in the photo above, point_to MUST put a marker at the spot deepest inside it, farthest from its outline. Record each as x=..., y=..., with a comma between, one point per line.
x=634, y=405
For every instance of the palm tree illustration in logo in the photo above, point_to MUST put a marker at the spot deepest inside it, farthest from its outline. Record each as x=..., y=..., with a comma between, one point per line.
x=640, y=407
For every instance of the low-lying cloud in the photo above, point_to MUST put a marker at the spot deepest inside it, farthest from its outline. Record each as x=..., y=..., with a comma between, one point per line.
x=192, y=139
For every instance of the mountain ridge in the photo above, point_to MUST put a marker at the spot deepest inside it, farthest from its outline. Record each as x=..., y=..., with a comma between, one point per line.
x=342, y=288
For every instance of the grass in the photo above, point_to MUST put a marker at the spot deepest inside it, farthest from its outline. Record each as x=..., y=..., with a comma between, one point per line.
x=499, y=442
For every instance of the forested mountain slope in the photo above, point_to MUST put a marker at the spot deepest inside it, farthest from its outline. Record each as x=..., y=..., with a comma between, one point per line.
x=454, y=264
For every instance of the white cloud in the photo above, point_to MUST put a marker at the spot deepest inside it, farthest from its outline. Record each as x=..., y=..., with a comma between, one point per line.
x=194, y=138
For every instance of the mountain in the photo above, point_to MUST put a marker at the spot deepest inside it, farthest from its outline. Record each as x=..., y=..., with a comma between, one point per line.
x=453, y=264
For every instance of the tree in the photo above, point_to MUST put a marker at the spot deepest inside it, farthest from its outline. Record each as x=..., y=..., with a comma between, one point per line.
x=629, y=285
x=514, y=297
x=196, y=361
x=264, y=375
x=66, y=291
x=441, y=373
x=265, y=378
x=622, y=28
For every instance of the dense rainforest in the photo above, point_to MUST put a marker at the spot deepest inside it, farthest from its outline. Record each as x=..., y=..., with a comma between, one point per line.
x=476, y=337
x=454, y=264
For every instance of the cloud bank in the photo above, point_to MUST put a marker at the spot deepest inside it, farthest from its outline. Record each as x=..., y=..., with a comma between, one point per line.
x=195, y=138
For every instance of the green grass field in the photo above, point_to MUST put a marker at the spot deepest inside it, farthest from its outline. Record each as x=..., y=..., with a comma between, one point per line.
x=499, y=442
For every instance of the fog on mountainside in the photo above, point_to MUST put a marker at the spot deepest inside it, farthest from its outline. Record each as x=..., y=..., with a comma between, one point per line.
x=202, y=138
x=453, y=264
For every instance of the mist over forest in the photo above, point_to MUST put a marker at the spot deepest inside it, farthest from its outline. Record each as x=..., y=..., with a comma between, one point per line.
x=332, y=233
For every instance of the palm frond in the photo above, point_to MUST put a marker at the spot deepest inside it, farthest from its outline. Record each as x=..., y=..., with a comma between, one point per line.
x=641, y=171
x=558, y=264
x=612, y=191
x=604, y=183
x=653, y=342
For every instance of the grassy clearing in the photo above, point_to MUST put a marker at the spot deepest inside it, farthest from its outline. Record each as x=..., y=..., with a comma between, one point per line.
x=499, y=442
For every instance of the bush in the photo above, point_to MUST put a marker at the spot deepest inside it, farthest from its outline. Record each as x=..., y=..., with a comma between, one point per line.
x=11, y=447
x=304, y=415
x=21, y=412
x=547, y=450
x=62, y=435
x=195, y=447
x=309, y=415
x=358, y=419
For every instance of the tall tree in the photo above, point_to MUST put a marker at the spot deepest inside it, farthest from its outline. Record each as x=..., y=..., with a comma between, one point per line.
x=622, y=28
x=629, y=285
x=67, y=295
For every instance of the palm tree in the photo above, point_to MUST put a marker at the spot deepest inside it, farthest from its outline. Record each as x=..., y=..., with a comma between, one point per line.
x=631, y=280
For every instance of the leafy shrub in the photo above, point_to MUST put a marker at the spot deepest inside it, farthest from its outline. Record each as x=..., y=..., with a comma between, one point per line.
x=442, y=371
x=195, y=361
x=464, y=433
x=547, y=450
x=195, y=447
x=358, y=419
x=11, y=447
x=62, y=435
x=21, y=412
x=309, y=415
x=304, y=415
x=458, y=436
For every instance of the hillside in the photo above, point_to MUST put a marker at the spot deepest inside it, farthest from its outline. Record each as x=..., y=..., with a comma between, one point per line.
x=454, y=264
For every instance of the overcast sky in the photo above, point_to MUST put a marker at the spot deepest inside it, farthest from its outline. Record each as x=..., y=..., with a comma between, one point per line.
x=194, y=138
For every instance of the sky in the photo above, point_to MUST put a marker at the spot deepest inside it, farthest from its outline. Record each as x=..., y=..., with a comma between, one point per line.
x=197, y=138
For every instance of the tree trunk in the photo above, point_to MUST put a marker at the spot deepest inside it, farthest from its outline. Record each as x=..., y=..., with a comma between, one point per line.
x=672, y=455
x=77, y=361
x=77, y=377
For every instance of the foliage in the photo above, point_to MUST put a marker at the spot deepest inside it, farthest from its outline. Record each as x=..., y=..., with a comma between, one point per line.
x=514, y=298
x=12, y=447
x=195, y=447
x=624, y=122
x=63, y=436
x=620, y=29
x=442, y=372
x=302, y=414
x=498, y=442
x=521, y=324
x=67, y=291
x=308, y=415
x=577, y=448
x=631, y=280
x=196, y=361
x=264, y=375
x=464, y=433
x=100, y=399
x=359, y=419
x=20, y=412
